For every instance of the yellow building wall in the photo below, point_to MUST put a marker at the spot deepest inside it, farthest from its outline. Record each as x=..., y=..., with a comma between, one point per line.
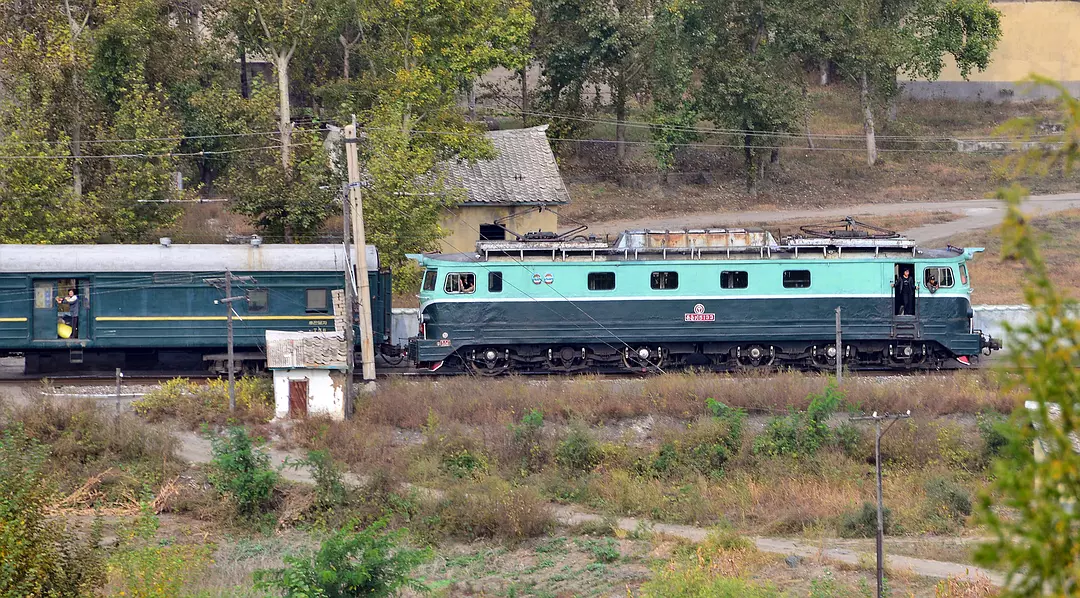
x=1036, y=37
x=462, y=224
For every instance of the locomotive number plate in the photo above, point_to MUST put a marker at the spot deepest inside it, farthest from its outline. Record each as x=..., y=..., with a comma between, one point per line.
x=699, y=317
x=317, y=323
x=443, y=342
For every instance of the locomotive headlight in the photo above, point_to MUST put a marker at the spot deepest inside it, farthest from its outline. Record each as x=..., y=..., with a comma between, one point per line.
x=643, y=353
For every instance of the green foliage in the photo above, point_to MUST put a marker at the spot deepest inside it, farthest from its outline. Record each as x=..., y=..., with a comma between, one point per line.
x=1031, y=506
x=241, y=472
x=198, y=402
x=330, y=489
x=40, y=556
x=602, y=550
x=526, y=442
x=862, y=523
x=802, y=433
x=141, y=568
x=705, y=447
x=947, y=504
x=578, y=452
x=464, y=463
x=369, y=562
x=718, y=568
x=993, y=429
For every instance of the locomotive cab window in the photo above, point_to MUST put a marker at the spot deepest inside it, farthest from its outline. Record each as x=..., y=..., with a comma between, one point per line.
x=796, y=279
x=601, y=281
x=963, y=274
x=942, y=276
x=664, y=280
x=258, y=300
x=494, y=282
x=460, y=283
x=734, y=279
x=430, y=276
x=316, y=301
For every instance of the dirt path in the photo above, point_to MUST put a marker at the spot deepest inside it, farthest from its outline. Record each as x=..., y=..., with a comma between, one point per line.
x=977, y=214
x=196, y=449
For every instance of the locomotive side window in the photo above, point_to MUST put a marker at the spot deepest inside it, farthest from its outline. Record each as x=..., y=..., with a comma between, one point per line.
x=963, y=274
x=430, y=276
x=258, y=300
x=664, y=280
x=494, y=282
x=734, y=279
x=943, y=276
x=601, y=281
x=460, y=283
x=316, y=301
x=796, y=279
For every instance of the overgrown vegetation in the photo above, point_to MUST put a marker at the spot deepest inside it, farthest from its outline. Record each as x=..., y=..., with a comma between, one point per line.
x=802, y=433
x=241, y=472
x=718, y=567
x=142, y=568
x=196, y=402
x=39, y=556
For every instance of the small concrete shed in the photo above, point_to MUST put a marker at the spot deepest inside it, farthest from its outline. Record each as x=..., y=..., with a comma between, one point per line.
x=309, y=373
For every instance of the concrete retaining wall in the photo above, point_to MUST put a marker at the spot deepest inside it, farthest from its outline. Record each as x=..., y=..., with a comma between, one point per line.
x=991, y=319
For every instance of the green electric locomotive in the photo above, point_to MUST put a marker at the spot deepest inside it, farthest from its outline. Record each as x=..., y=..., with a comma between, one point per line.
x=714, y=299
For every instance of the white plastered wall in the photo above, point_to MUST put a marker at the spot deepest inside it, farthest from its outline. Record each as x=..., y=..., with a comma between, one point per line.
x=326, y=392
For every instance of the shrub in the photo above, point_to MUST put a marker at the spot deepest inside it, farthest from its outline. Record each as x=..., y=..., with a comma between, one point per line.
x=862, y=523
x=242, y=472
x=717, y=568
x=40, y=557
x=365, y=563
x=330, y=490
x=578, y=452
x=992, y=429
x=465, y=463
x=705, y=447
x=947, y=504
x=526, y=448
x=196, y=403
x=490, y=509
x=801, y=433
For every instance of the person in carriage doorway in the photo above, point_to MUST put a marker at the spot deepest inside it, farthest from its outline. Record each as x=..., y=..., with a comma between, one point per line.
x=905, y=294
x=71, y=318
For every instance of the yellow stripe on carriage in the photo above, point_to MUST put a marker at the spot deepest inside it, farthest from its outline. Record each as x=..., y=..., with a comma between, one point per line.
x=12, y=319
x=206, y=318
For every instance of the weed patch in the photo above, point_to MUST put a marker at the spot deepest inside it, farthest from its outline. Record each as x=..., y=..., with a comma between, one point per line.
x=241, y=472
x=862, y=523
x=194, y=403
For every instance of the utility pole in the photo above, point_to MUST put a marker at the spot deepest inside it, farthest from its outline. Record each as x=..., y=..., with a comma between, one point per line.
x=350, y=305
x=877, y=419
x=839, y=351
x=226, y=284
x=367, y=345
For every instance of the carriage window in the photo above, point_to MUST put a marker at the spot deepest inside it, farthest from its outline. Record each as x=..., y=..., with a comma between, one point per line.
x=664, y=280
x=460, y=283
x=943, y=276
x=258, y=300
x=963, y=274
x=796, y=279
x=601, y=281
x=430, y=276
x=316, y=300
x=494, y=282
x=734, y=280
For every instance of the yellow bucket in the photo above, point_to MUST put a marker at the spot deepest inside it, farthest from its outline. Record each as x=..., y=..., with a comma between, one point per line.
x=63, y=330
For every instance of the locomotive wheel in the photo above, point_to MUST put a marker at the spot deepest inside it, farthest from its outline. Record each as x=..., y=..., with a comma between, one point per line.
x=490, y=362
x=755, y=356
x=566, y=359
x=643, y=359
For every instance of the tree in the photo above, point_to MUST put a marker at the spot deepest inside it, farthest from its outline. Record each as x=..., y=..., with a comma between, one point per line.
x=874, y=40
x=1031, y=508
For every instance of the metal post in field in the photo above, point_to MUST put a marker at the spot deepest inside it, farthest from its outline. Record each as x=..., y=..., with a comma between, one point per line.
x=839, y=351
x=878, y=433
x=119, y=377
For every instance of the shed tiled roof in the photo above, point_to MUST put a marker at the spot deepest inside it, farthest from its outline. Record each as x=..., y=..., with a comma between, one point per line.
x=311, y=350
x=523, y=173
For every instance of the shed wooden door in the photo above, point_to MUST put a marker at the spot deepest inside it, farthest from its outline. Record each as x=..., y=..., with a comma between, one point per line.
x=298, y=397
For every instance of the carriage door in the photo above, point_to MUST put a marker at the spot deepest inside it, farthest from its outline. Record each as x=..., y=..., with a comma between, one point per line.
x=55, y=320
x=905, y=305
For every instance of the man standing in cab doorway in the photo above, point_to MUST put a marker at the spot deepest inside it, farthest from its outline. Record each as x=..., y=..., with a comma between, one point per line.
x=905, y=294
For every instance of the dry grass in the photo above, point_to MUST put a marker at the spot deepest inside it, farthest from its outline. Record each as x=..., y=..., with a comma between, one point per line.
x=1001, y=282
x=407, y=404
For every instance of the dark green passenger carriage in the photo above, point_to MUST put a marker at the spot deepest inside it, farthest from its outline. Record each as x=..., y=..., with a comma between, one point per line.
x=150, y=306
x=722, y=299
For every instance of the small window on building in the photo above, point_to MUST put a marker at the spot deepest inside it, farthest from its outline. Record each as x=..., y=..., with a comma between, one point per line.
x=430, y=276
x=942, y=276
x=601, y=281
x=664, y=280
x=494, y=282
x=492, y=232
x=258, y=300
x=316, y=300
x=460, y=283
x=734, y=279
x=796, y=279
